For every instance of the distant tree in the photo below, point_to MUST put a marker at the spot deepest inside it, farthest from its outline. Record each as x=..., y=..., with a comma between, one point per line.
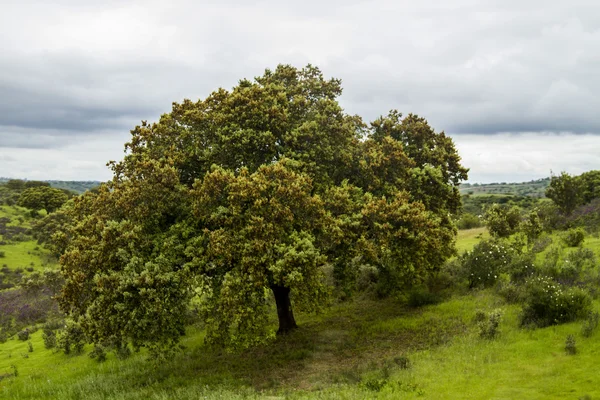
x=566, y=192
x=590, y=186
x=15, y=184
x=35, y=184
x=42, y=198
x=248, y=194
x=501, y=220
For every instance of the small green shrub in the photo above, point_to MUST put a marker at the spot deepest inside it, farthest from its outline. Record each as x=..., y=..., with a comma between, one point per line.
x=573, y=237
x=469, y=221
x=570, y=345
x=99, y=353
x=71, y=338
x=590, y=324
x=49, y=337
x=23, y=335
x=550, y=303
x=489, y=325
x=2, y=254
x=30, y=347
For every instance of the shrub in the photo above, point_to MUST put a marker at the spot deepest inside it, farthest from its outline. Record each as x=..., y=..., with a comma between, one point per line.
x=99, y=353
x=570, y=345
x=23, y=335
x=489, y=324
x=582, y=259
x=573, y=237
x=501, y=220
x=531, y=226
x=2, y=254
x=71, y=338
x=469, y=221
x=590, y=324
x=485, y=262
x=548, y=303
x=49, y=337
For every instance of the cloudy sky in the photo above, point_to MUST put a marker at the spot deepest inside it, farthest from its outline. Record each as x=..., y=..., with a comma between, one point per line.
x=515, y=83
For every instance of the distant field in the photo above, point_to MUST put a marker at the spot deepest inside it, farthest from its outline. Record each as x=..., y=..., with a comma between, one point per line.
x=533, y=188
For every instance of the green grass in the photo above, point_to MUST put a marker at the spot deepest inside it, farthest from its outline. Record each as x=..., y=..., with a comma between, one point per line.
x=467, y=238
x=26, y=254
x=349, y=352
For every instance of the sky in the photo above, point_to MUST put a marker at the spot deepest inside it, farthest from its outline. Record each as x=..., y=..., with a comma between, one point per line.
x=514, y=83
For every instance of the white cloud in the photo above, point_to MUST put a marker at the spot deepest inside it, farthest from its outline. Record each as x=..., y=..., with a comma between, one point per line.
x=522, y=157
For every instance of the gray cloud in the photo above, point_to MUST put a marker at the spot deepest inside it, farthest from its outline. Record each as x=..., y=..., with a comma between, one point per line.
x=73, y=71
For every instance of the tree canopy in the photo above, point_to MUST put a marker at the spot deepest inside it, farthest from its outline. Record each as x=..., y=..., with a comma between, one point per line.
x=250, y=195
x=42, y=197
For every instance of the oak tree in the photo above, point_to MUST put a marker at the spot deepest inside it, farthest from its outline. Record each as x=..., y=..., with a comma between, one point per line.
x=250, y=195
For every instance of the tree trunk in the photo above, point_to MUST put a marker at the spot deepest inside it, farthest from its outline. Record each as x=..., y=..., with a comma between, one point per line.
x=284, y=309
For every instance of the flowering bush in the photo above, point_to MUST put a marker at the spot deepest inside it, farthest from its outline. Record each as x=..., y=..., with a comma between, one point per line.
x=549, y=303
x=485, y=262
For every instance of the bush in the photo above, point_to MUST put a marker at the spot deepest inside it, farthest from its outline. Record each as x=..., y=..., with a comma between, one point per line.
x=502, y=221
x=573, y=237
x=23, y=335
x=49, y=337
x=469, y=221
x=590, y=324
x=2, y=254
x=548, y=303
x=489, y=324
x=491, y=257
x=99, y=353
x=71, y=338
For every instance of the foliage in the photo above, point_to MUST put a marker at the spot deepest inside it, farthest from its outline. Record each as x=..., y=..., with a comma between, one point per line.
x=550, y=303
x=42, y=198
x=568, y=191
x=49, y=337
x=23, y=335
x=491, y=257
x=468, y=221
x=502, y=221
x=250, y=192
x=71, y=338
x=573, y=237
x=531, y=226
x=590, y=324
x=570, y=345
x=565, y=192
x=489, y=325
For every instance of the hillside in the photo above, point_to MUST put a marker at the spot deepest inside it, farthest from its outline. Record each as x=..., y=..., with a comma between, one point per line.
x=534, y=188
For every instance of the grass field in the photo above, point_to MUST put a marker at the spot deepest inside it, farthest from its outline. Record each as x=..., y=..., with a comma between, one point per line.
x=350, y=352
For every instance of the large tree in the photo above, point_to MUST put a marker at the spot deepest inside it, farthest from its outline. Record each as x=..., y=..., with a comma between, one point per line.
x=250, y=194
